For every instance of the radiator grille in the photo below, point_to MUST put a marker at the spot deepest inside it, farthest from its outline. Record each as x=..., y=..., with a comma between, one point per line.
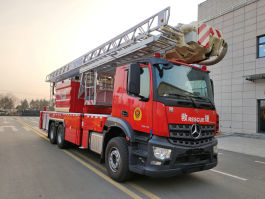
x=180, y=134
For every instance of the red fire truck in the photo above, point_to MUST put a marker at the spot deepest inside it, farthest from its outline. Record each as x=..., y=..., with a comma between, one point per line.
x=138, y=102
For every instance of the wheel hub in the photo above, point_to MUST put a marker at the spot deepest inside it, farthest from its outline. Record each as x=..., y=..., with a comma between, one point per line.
x=52, y=134
x=114, y=159
x=59, y=138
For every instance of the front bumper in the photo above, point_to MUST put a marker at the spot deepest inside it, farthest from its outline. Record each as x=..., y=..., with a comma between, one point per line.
x=182, y=160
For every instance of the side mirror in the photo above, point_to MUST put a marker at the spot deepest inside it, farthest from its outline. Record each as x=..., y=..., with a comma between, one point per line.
x=212, y=86
x=134, y=79
x=53, y=86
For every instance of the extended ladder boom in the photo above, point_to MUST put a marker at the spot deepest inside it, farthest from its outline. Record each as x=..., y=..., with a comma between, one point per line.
x=192, y=43
x=133, y=44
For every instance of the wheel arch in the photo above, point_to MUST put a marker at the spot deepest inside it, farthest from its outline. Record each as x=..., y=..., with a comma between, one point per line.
x=115, y=127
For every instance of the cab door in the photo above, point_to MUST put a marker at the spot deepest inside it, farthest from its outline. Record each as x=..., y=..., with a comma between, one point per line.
x=139, y=108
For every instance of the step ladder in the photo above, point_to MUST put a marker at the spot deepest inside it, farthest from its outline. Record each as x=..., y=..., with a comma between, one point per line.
x=140, y=41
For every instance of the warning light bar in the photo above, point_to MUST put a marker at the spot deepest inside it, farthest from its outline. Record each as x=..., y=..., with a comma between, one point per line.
x=157, y=55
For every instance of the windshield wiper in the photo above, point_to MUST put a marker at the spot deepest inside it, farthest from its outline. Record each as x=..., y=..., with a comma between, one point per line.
x=186, y=96
x=205, y=98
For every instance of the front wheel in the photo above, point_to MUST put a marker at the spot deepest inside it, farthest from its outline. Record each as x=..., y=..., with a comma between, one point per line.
x=117, y=159
x=60, y=137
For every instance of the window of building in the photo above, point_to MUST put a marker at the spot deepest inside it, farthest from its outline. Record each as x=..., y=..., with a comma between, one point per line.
x=261, y=46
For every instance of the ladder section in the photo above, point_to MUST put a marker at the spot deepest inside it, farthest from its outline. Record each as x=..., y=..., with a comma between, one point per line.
x=138, y=42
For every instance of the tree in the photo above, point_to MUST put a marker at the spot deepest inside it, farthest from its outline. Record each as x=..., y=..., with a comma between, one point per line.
x=23, y=105
x=33, y=105
x=7, y=102
x=38, y=104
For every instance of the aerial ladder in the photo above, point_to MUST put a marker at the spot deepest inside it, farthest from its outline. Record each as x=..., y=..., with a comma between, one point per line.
x=195, y=43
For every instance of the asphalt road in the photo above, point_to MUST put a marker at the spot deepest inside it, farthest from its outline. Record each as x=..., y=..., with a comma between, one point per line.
x=30, y=168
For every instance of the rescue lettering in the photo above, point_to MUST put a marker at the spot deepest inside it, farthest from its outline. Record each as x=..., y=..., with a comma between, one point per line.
x=186, y=118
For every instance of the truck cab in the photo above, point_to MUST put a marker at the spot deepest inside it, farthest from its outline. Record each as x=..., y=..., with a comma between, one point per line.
x=170, y=107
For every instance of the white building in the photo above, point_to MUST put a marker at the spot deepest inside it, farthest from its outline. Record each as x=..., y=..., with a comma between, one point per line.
x=239, y=78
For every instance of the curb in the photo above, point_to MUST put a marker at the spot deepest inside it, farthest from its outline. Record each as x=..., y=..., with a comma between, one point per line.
x=253, y=136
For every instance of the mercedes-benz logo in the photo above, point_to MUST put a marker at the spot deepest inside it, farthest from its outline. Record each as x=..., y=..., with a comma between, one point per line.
x=195, y=131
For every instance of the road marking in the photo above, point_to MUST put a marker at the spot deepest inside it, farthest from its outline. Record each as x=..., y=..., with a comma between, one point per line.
x=137, y=187
x=259, y=162
x=40, y=134
x=230, y=175
x=90, y=167
x=31, y=127
x=26, y=128
x=90, y=160
x=12, y=127
x=40, y=131
x=144, y=191
x=105, y=177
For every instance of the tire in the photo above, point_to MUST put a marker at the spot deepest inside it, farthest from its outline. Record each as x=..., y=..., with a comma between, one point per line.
x=117, y=159
x=52, y=133
x=61, y=143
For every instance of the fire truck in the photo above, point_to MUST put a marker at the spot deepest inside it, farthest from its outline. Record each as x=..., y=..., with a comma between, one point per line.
x=143, y=101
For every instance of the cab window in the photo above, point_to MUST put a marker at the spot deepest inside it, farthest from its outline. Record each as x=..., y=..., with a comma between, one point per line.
x=145, y=82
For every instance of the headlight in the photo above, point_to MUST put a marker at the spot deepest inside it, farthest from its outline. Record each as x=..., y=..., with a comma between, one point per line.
x=161, y=153
x=215, y=149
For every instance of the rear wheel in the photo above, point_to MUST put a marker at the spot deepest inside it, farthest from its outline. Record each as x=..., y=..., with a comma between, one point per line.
x=117, y=159
x=52, y=133
x=60, y=137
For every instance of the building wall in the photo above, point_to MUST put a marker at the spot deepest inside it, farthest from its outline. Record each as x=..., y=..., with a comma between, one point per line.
x=212, y=7
x=235, y=97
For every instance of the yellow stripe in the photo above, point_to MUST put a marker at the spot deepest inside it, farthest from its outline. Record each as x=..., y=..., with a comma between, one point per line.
x=137, y=187
x=90, y=160
x=40, y=131
x=105, y=177
x=96, y=171
x=40, y=134
x=144, y=191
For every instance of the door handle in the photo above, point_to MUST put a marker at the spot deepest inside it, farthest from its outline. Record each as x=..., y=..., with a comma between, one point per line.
x=124, y=113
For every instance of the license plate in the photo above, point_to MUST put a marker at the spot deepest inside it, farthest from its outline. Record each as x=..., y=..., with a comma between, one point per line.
x=196, y=151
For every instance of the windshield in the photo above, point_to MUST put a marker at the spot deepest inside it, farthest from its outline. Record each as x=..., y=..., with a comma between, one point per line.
x=178, y=81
